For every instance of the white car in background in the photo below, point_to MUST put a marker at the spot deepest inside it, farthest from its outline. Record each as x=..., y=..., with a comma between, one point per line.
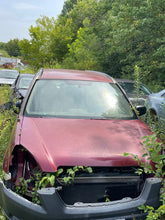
x=8, y=77
x=155, y=104
x=136, y=93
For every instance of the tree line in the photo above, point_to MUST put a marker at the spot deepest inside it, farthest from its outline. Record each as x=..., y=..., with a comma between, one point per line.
x=111, y=36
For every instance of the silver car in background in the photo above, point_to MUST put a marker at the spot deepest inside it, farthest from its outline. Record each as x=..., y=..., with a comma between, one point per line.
x=8, y=77
x=21, y=85
x=136, y=93
x=155, y=104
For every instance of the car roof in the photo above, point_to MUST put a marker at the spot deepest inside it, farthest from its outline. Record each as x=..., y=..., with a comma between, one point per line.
x=26, y=75
x=75, y=75
x=8, y=70
x=125, y=80
x=161, y=92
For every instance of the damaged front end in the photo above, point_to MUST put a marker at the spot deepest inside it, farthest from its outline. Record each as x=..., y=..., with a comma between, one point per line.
x=103, y=184
x=75, y=192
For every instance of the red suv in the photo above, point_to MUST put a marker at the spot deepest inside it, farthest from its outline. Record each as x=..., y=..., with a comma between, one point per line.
x=75, y=125
x=8, y=65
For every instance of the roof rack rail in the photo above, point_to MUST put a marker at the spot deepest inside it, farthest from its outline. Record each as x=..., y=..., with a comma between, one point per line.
x=39, y=73
x=101, y=73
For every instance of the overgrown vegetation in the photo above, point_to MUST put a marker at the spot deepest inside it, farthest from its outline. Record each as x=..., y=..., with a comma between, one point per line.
x=152, y=151
x=49, y=179
x=3, y=52
x=7, y=120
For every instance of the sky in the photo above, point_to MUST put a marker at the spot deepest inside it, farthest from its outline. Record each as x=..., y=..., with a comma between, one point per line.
x=16, y=16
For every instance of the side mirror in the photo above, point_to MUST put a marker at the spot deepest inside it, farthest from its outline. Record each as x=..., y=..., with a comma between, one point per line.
x=141, y=109
x=18, y=104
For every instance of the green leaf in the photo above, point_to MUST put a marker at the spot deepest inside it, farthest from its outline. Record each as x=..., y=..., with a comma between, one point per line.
x=75, y=168
x=59, y=171
x=145, y=154
x=89, y=169
x=52, y=180
x=126, y=154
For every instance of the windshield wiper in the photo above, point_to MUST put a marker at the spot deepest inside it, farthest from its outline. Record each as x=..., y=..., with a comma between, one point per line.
x=99, y=118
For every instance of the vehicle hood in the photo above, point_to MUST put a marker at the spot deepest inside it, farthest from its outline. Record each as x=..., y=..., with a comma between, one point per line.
x=85, y=142
x=7, y=81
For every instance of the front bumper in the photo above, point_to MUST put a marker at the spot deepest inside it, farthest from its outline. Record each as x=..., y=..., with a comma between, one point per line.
x=16, y=207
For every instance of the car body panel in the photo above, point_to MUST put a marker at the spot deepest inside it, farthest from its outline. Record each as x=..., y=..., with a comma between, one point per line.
x=53, y=208
x=156, y=102
x=75, y=75
x=7, y=81
x=22, y=92
x=7, y=77
x=84, y=142
x=17, y=89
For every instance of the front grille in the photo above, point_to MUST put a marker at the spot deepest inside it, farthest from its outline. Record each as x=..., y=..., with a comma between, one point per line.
x=113, y=182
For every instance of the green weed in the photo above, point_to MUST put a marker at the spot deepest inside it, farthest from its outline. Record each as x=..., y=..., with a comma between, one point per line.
x=7, y=120
x=152, y=151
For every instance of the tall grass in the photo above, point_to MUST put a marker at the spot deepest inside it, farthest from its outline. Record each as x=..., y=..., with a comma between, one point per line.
x=7, y=120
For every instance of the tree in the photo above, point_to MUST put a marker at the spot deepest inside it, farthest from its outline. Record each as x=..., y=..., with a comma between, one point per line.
x=37, y=50
x=137, y=36
x=2, y=45
x=60, y=38
x=68, y=6
x=83, y=51
x=12, y=47
x=112, y=36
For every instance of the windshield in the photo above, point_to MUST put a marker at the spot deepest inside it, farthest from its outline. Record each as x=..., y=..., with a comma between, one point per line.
x=9, y=74
x=130, y=89
x=24, y=83
x=77, y=99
